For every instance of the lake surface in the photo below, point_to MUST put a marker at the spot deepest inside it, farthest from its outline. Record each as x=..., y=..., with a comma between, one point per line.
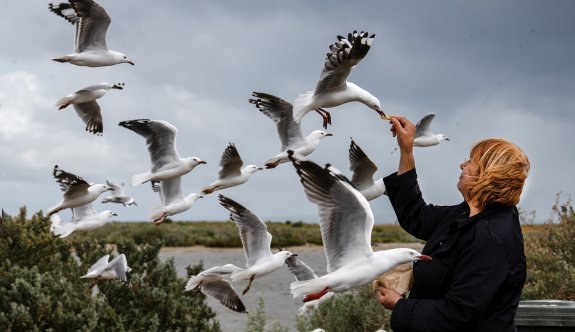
x=273, y=288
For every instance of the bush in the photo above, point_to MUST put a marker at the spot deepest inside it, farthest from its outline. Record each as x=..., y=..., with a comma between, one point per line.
x=40, y=288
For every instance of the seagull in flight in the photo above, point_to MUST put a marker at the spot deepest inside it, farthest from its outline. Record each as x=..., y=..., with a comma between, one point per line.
x=173, y=200
x=161, y=141
x=232, y=174
x=106, y=270
x=346, y=223
x=118, y=195
x=211, y=283
x=91, y=21
x=256, y=241
x=363, y=169
x=86, y=107
x=423, y=135
x=333, y=89
x=77, y=191
x=289, y=130
x=84, y=218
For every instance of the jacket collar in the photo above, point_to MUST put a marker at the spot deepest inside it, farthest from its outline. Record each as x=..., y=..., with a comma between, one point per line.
x=465, y=220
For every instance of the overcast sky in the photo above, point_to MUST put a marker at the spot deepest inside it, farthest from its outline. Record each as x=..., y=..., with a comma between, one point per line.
x=486, y=68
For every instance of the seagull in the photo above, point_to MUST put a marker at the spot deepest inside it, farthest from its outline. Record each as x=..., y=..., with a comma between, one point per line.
x=91, y=21
x=423, y=135
x=256, y=241
x=173, y=199
x=161, y=140
x=102, y=269
x=362, y=169
x=84, y=218
x=346, y=222
x=86, y=107
x=302, y=271
x=211, y=283
x=118, y=195
x=77, y=191
x=289, y=131
x=232, y=174
x=333, y=89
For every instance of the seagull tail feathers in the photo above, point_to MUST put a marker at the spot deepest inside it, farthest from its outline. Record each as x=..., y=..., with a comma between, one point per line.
x=306, y=287
x=64, y=229
x=301, y=104
x=140, y=178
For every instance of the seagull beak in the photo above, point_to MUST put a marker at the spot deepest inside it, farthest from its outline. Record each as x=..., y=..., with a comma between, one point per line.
x=202, y=162
x=447, y=139
x=114, y=214
x=294, y=255
x=130, y=62
x=423, y=258
x=329, y=134
x=260, y=169
x=201, y=196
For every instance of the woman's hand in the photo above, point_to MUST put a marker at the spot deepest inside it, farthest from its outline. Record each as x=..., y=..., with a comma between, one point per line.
x=404, y=130
x=387, y=297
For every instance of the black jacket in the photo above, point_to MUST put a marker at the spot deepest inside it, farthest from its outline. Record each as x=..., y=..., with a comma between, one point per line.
x=478, y=269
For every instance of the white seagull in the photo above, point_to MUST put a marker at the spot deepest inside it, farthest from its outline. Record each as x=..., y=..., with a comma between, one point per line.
x=77, y=191
x=86, y=107
x=333, y=89
x=85, y=218
x=302, y=271
x=346, y=222
x=289, y=131
x=363, y=169
x=211, y=283
x=423, y=135
x=256, y=241
x=91, y=21
x=173, y=199
x=102, y=269
x=232, y=174
x=118, y=195
x=161, y=141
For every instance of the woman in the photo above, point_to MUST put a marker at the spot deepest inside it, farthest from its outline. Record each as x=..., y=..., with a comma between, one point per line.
x=478, y=271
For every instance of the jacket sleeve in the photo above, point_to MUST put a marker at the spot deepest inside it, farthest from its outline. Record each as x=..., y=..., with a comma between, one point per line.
x=413, y=214
x=481, y=269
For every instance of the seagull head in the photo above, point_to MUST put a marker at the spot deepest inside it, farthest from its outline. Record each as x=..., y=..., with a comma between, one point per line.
x=119, y=86
x=372, y=102
x=192, y=162
x=319, y=134
x=100, y=188
x=443, y=137
x=251, y=169
x=285, y=254
x=405, y=255
x=108, y=214
x=120, y=58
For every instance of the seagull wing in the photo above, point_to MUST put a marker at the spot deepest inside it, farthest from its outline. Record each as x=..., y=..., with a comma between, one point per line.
x=422, y=127
x=64, y=10
x=116, y=189
x=253, y=232
x=300, y=270
x=120, y=266
x=171, y=190
x=231, y=162
x=81, y=212
x=281, y=112
x=91, y=115
x=346, y=219
x=92, y=25
x=99, y=265
x=361, y=166
x=71, y=184
x=161, y=140
x=345, y=54
x=224, y=292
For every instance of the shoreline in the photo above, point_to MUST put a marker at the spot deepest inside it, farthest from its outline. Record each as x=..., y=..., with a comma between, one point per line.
x=304, y=248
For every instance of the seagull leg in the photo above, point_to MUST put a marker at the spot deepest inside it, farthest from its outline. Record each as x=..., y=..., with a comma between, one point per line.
x=161, y=219
x=315, y=296
x=325, y=116
x=272, y=165
x=249, y=285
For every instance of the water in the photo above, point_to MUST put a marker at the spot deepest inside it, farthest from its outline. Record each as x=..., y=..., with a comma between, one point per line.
x=273, y=288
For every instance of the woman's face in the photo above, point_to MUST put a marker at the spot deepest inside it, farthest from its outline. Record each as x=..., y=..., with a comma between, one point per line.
x=468, y=173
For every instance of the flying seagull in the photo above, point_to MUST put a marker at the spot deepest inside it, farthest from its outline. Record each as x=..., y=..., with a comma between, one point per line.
x=333, y=89
x=256, y=241
x=232, y=174
x=363, y=169
x=423, y=135
x=161, y=141
x=91, y=21
x=173, y=200
x=85, y=218
x=211, y=283
x=289, y=131
x=102, y=269
x=346, y=222
x=86, y=107
x=118, y=196
x=77, y=191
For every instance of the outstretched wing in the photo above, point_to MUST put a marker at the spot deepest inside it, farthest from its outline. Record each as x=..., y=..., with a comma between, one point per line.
x=253, y=232
x=300, y=270
x=361, y=166
x=422, y=127
x=91, y=115
x=71, y=184
x=281, y=113
x=81, y=212
x=116, y=189
x=92, y=25
x=120, y=266
x=346, y=219
x=344, y=55
x=224, y=292
x=160, y=138
x=100, y=264
x=230, y=162
x=171, y=190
